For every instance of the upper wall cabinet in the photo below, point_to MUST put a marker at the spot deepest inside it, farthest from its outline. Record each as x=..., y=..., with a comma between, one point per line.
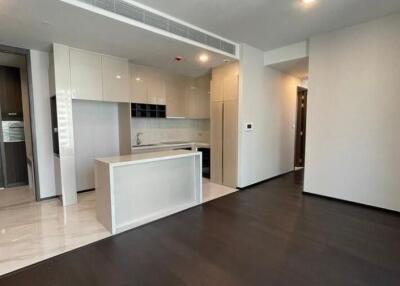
x=86, y=75
x=138, y=88
x=198, y=98
x=116, y=79
x=156, y=90
x=147, y=85
x=175, y=98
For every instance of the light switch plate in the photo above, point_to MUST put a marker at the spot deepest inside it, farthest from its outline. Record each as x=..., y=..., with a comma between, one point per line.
x=249, y=126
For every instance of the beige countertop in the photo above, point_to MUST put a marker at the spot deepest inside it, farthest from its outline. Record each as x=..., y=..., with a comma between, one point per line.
x=146, y=157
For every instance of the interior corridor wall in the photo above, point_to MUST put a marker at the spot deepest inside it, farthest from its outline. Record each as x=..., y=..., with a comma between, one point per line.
x=267, y=100
x=353, y=133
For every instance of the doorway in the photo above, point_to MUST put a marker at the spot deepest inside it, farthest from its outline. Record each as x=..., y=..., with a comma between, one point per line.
x=17, y=164
x=300, y=145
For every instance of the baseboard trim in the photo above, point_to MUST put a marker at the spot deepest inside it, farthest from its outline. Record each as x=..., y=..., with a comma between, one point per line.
x=85, y=191
x=264, y=181
x=49, y=198
x=59, y=196
x=352, y=203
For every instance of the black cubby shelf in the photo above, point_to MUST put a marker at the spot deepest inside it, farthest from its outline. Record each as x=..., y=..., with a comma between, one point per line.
x=148, y=110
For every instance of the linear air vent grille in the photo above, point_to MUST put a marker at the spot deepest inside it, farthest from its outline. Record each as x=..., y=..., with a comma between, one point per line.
x=139, y=14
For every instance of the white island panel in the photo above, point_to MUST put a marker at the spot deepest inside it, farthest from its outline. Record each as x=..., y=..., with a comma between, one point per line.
x=136, y=189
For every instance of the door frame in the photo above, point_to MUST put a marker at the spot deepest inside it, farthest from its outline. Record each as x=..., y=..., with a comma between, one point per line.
x=299, y=89
x=26, y=54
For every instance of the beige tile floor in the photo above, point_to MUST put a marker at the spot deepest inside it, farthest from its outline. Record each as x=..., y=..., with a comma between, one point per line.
x=18, y=195
x=33, y=231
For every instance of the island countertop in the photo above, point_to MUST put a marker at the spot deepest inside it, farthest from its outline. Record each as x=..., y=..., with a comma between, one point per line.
x=146, y=157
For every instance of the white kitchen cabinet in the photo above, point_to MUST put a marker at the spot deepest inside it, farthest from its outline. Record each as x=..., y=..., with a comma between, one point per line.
x=156, y=90
x=198, y=98
x=175, y=99
x=203, y=99
x=86, y=75
x=147, y=85
x=138, y=90
x=116, y=79
x=138, y=84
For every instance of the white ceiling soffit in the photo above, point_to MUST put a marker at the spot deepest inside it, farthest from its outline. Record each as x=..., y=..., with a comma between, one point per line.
x=155, y=21
x=287, y=53
x=297, y=68
x=37, y=24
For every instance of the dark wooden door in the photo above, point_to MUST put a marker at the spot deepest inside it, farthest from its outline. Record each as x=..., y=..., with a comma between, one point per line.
x=299, y=158
x=14, y=163
x=10, y=93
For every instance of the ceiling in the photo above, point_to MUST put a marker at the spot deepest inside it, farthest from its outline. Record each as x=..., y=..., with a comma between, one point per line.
x=270, y=24
x=297, y=68
x=37, y=24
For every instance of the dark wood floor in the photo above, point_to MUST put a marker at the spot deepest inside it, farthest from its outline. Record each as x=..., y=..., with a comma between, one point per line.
x=270, y=234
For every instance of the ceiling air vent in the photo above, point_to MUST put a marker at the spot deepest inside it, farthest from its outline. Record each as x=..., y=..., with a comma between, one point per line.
x=155, y=20
x=131, y=11
x=124, y=9
x=108, y=5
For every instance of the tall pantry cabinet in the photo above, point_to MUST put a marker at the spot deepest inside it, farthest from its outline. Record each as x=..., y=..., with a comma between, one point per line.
x=224, y=124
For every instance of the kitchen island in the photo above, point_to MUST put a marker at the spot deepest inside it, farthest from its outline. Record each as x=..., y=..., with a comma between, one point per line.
x=135, y=189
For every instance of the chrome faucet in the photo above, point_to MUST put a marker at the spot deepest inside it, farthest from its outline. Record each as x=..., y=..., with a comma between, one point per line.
x=138, y=140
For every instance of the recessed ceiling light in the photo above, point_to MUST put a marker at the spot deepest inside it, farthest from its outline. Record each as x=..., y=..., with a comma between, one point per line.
x=138, y=79
x=203, y=58
x=118, y=76
x=308, y=2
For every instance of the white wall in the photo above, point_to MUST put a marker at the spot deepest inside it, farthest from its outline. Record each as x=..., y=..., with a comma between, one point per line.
x=353, y=133
x=42, y=118
x=96, y=135
x=268, y=100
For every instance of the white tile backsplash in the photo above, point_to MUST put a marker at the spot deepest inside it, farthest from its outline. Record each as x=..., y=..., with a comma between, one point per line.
x=157, y=130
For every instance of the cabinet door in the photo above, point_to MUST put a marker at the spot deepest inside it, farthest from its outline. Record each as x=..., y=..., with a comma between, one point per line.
x=138, y=85
x=231, y=87
x=175, y=99
x=86, y=76
x=216, y=129
x=230, y=135
x=191, y=101
x=156, y=91
x=216, y=90
x=203, y=103
x=115, y=79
